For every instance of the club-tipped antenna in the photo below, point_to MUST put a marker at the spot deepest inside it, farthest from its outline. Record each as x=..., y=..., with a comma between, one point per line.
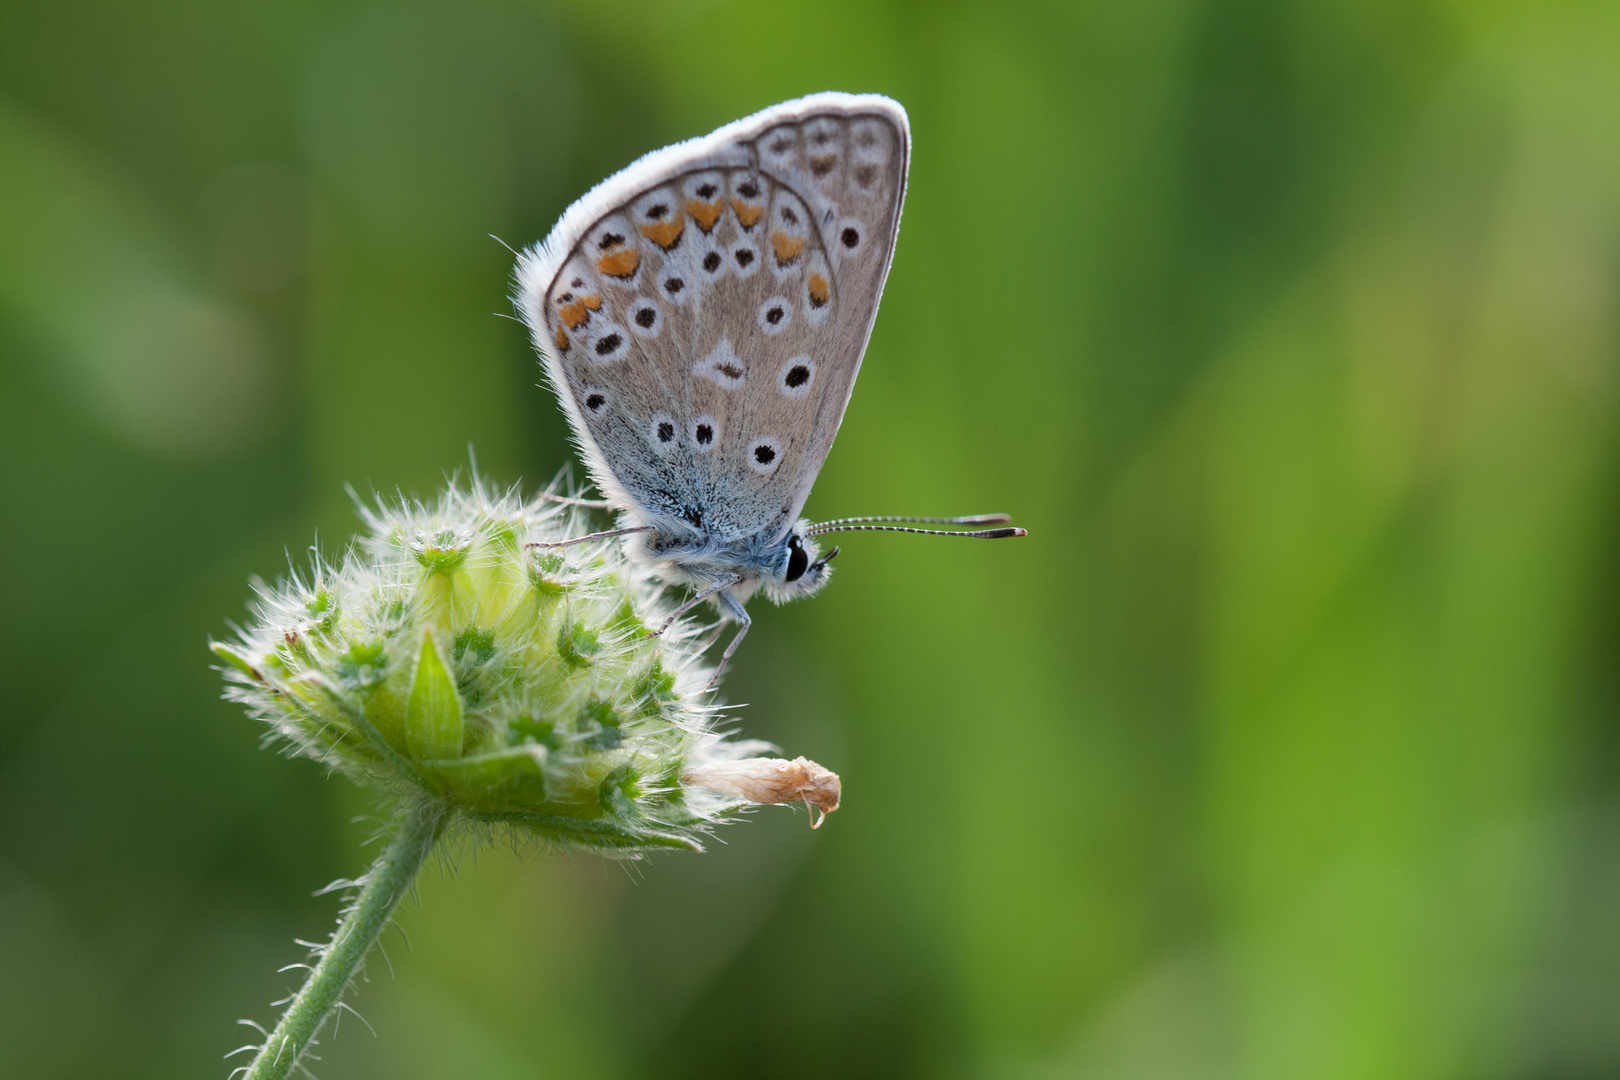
x=969, y=519
x=980, y=534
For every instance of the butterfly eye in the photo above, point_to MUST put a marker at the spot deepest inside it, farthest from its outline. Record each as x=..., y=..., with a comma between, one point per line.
x=798, y=559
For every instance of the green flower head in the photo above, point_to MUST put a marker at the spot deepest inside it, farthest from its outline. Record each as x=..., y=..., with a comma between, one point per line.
x=442, y=659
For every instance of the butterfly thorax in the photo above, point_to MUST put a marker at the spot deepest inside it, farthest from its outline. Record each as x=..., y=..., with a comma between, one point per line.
x=786, y=566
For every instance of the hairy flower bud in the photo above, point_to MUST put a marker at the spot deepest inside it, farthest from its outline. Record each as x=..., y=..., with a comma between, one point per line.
x=440, y=658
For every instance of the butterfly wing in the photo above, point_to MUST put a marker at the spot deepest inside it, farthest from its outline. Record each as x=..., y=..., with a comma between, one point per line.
x=703, y=313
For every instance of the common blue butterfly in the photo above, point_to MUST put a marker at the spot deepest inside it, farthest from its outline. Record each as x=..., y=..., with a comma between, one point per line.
x=702, y=315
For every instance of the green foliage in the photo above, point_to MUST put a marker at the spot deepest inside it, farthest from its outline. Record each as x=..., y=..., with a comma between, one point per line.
x=1285, y=746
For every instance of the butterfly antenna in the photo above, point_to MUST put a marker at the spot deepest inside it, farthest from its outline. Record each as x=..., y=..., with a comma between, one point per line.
x=970, y=519
x=981, y=534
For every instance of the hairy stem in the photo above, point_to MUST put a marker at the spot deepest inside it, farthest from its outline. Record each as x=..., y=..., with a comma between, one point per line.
x=384, y=886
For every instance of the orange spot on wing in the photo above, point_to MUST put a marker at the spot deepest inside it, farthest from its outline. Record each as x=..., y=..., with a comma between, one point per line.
x=562, y=340
x=787, y=247
x=576, y=315
x=819, y=292
x=621, y=263
x=747, y=216
x=704, y=213
x=665, y=233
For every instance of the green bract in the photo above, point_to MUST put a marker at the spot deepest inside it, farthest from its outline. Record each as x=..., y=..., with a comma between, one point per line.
x=443, y=659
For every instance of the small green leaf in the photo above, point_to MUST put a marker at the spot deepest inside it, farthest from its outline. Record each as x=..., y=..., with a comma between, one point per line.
x=619, y=791
x=443, y=552
x=602, y=719
x=363, y=666
x=481, y=642
x=320, y=608
x=542, y=581
x=625, y=616
x=508, y=779
x=533, y=729
x=236, y=658
x=433, y=724
x=577, y=644
x=654, y=689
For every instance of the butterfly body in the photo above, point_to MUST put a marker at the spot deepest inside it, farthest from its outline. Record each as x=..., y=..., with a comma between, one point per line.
x=757, y=561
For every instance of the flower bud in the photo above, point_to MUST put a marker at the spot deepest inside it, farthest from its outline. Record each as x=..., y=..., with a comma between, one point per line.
x=440, y=658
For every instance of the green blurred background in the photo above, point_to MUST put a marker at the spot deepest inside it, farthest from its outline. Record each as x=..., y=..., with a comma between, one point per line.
x=1288, y=745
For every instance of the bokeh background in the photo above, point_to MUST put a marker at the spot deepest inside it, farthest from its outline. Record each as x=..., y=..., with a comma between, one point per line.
x=1287, y=746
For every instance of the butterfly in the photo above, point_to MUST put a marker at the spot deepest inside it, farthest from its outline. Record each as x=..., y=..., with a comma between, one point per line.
x=702, y=315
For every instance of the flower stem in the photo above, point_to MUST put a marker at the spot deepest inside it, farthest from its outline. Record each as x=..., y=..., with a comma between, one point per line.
x=384, y=887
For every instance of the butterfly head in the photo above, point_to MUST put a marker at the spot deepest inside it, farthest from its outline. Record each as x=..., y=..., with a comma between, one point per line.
x=801, y=568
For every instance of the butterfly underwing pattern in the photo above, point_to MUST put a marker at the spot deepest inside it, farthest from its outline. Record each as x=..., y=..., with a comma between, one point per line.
x=702, y=315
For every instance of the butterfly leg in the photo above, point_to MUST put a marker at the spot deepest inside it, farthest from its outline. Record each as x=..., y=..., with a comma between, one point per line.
x=732, y=609
x=697, y=598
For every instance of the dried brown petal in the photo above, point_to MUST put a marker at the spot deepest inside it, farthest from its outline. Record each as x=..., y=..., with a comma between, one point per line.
x=772, y=780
